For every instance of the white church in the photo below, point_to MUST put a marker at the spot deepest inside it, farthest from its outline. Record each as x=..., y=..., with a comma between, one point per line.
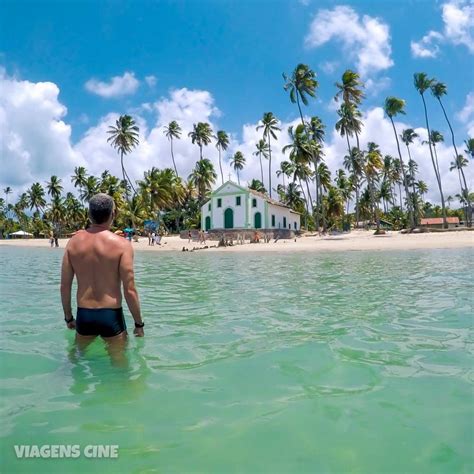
x=232, y=206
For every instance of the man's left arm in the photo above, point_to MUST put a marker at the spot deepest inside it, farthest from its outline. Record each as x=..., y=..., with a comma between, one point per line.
x=67, y=275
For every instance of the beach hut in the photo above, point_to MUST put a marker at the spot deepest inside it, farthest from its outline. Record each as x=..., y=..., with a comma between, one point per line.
x=437, y=222
x=232, y=206
x=21, y=234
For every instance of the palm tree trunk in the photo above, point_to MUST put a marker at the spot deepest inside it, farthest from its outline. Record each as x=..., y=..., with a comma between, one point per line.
x=323, y=211
x=316, y=180
x=269, y=165
x=261, y=166
x=468, y=220
x=172, y=156
x=309, y=195
x=438, y=178
x=405, y=184
x=220, y=166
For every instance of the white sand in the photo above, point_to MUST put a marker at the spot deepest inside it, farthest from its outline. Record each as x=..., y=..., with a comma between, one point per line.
x=356, y=240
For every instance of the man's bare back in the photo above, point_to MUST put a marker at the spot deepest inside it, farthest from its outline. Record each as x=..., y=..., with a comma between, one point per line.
x=101, y=262
x=95, y=256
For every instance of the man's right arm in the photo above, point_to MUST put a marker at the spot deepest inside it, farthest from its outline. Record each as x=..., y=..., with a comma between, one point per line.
x=129, y=290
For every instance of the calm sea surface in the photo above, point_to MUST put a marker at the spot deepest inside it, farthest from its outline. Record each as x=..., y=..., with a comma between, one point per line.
x=345, y=362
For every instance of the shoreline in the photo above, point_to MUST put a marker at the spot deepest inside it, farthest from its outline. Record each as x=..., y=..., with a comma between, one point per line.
x=354, y=241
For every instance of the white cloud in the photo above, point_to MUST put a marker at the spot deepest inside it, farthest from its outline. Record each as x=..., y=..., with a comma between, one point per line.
x=428, y=46
x=458, y=29
x=151, y=81
x=36, y=142
x=365, y=40
x=466, y=115
x=117, y=86
x=458, y=18
x=329, y=67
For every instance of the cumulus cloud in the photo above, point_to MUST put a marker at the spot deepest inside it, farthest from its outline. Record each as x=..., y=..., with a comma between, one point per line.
x=36, y=142
x=458, y=29
x=364, y=39
x=151, y=81
x=118, y=86
x=466, y=115
x=428, y=46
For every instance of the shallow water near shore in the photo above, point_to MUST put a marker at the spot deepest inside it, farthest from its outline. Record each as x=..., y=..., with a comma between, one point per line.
x=296, y=362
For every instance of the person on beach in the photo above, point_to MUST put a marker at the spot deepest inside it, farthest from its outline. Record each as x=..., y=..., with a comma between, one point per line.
x=190, y=236
x=51, y=239
x=153, y=235
x=101, y=262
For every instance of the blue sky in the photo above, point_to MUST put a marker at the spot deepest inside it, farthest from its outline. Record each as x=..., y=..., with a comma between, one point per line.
x=235, y=50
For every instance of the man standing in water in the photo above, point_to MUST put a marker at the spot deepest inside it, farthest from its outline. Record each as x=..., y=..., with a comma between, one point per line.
x=101, y=261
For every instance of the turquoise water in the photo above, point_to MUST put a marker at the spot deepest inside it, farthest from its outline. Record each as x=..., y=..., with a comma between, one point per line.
x=345, y=362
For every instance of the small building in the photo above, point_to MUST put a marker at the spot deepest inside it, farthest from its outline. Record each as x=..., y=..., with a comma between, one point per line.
x=232, y=206
x=437, y=222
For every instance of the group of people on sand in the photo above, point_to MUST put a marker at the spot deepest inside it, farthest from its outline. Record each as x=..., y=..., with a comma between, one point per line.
x=155, y=238
x=53, y=239
x=201, y=237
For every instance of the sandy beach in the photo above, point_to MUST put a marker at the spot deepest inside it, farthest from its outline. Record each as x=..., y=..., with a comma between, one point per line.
x=356, y=240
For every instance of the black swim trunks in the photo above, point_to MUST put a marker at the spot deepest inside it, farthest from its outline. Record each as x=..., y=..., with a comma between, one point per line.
x=105, y=322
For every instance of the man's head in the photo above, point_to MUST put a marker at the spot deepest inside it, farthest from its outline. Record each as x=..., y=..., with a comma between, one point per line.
x=101, y=208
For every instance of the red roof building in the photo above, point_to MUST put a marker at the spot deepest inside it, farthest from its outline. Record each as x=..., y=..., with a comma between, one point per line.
x=439, y=221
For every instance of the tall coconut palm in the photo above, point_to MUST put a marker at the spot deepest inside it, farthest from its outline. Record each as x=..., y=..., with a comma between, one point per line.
x=316, y=132
x=201, y=135
x=36, y=197
x=222, y=143
x=203, y=176
x=54, y=187
x=394, y=106
x=124, y=138
x=350, y=88
x=269, y=123
x=469, y=147
x=7, y=191
x=422, y=84
x=286, y=169
x=262, y=150
x=353, y=162
x=407, y=136
x=301, y=84
x=238, y=163
x=173, y=131
x=373, y=165
x=349, y=123
x=78, y=179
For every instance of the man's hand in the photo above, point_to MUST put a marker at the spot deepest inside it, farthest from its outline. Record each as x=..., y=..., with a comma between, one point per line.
x=71, y=324
x=139, y=332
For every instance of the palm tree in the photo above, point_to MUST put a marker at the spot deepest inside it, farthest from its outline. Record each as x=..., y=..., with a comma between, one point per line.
x=201, y=135
x=36, y=197
x=221, y=144
x=238, y=163
x=353, y=162
x=459, y=163
x=286, y=169
x=7, y=191
x=78, y=179
x=172, y=131
x=422, y=83
x=469, y=147
x=301, y=84
x=124, y=138
x=269, y=123
x=257, y=185
x=203, y=177
x=293, y=198
x=350, y=89
x=262, y=150
x=373, y=165
x=90, y=188
x=54, y=187
x=349, y=123
x=392, y=107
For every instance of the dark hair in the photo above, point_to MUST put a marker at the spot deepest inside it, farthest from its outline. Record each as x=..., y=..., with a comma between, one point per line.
x=101, y=207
